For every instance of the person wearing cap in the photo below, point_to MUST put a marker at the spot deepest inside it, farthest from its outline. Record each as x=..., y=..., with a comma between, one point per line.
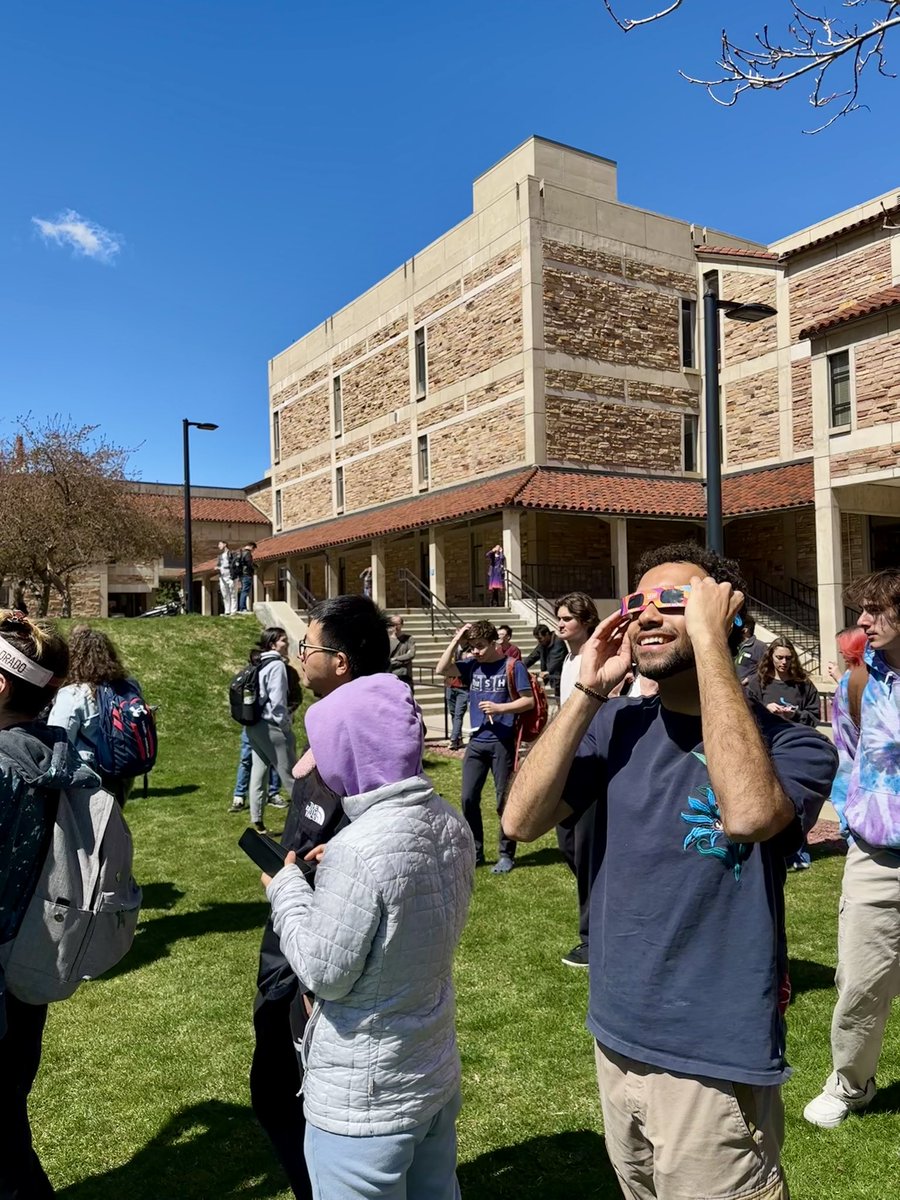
x=382, y=1068
x=35, y=762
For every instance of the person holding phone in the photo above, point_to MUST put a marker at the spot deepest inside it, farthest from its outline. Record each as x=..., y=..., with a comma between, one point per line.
x=782, y=685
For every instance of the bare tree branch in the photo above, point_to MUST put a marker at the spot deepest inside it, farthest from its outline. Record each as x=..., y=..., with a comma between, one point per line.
x=815, y=44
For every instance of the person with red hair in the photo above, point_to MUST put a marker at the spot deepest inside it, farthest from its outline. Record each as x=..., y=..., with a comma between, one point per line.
x=851, y=643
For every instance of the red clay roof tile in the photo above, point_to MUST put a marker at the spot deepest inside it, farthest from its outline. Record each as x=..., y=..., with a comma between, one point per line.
x=203, y=508
x=737, y=252
x=876, y=303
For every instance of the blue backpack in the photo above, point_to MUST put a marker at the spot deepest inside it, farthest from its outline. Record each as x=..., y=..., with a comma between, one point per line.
x=126, y=745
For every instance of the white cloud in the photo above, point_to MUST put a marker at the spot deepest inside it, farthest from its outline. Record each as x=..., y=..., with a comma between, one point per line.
x=87, y=238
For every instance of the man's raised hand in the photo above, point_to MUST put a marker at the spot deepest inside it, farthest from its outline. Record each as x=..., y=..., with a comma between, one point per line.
x=606, y=655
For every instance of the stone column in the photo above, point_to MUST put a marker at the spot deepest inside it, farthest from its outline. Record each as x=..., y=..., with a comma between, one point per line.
x=379, y=578
x=618, y=545
x=104, y=590
x=512, y=546
x=331, y=578
x=257, y=589
x=206, y=597
x=436, y=574
x=829, y=569
x=290, y=583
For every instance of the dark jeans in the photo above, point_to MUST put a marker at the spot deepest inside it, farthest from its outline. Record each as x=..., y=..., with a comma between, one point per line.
x=457, y=699
x=578, y=849
x=483, y=755
x=244, y=593
x=275, y=1077
x=21, y=1175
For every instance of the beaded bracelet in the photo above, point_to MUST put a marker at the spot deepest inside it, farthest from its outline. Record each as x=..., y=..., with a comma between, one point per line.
x=589, y=691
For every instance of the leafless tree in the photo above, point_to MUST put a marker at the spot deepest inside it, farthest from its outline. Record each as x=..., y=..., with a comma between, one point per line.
x=66, y=505
x=832, y=51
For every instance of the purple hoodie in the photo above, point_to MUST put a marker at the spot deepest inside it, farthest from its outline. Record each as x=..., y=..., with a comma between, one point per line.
x=366, y=734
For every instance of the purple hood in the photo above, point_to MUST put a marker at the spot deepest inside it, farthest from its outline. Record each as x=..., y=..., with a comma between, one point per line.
x=366, y=734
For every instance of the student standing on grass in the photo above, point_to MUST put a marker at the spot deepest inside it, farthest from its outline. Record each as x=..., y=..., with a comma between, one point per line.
x=225, y=563
x=375, y=942
x=346, y=639
x=247, y=569
x=272, y=737
x=492, y=719
x=699, y=797
x=866, y=795
x=35, y=763
x=576, y=620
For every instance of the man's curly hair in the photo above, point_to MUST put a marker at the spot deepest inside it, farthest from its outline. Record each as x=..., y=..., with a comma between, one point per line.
x=722, y=570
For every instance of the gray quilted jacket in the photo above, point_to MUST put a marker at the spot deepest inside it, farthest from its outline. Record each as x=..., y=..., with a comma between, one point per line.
x=375, y=942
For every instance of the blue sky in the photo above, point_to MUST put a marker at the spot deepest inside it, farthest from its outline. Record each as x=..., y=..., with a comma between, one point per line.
x=258, y=164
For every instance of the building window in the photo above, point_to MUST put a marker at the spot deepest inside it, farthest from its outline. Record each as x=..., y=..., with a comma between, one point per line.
x=278, y=520
x=338, y=407
x=688, y=333
x=339, y=489
x=839, y=389
x=276, y=437
x=423, y=461
x=690, y=428
x=421, y=363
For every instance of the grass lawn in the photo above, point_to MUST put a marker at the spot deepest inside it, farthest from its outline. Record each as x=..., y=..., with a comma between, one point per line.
x=143, y=1087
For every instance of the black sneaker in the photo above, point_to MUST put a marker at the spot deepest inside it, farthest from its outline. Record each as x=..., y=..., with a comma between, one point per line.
x=237, y=805
x=277, y=802
x=577, y=956
x=259, y=827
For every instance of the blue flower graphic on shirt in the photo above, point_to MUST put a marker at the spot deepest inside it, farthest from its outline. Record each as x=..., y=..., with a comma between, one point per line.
x=707, y=834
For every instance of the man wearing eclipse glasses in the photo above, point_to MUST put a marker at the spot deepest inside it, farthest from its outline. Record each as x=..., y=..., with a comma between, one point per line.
x=699, y=798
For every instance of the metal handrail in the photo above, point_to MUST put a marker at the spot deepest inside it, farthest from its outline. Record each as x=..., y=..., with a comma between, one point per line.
x=804, y=593
x=300, y=588
x=805, y=639
x=430, y=601
x=797, y=611
x=527, y=592
x=554, y=579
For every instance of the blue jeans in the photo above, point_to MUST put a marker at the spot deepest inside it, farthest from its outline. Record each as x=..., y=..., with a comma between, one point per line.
x=457, y=699
x=244, y=594
x=417, y=1165
x=242, y=782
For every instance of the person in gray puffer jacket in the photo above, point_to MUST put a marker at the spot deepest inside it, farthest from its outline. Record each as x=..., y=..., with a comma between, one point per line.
x=375, y=942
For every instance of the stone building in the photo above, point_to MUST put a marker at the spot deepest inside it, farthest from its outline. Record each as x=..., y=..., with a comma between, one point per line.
x=534, y=377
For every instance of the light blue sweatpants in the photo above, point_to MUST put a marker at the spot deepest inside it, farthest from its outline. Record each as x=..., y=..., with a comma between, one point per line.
x=417, y=1165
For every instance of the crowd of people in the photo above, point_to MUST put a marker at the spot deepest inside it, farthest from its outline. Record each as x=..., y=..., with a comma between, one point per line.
x=682, y=769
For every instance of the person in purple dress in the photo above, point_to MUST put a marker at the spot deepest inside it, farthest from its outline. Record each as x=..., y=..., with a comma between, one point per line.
x=496, y=574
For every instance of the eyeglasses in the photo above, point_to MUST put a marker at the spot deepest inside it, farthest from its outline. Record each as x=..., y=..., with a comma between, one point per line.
x=661, y=597
x=305, y=648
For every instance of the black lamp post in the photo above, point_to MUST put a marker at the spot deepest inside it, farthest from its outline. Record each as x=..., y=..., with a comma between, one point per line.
x=735, y=311
x=188, y=548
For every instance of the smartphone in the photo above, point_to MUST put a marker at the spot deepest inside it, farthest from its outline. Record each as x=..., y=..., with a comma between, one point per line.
x=268, y=855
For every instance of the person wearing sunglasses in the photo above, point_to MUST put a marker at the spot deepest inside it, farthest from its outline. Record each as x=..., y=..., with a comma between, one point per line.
x=698, y=795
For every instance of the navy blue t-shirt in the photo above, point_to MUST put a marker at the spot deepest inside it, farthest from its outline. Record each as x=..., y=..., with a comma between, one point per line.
x=487, y=681
x=688, y=955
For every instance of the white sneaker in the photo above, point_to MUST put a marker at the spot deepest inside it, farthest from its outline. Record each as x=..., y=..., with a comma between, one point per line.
x=829, y=1111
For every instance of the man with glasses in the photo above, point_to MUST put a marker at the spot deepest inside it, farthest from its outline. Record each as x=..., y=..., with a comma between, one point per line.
x=346, y=638
x=698, y=798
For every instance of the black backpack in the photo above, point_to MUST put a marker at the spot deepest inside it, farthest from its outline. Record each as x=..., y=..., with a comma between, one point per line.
x=235, y=563
x=244, y=696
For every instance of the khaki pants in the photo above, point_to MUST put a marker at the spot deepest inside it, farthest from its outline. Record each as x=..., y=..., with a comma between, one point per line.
x=868, y=974
x=679, y=1137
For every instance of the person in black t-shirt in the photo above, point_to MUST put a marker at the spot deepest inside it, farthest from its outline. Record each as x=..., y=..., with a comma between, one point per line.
x=783, y=687
x=699, y=795
x=346, y=637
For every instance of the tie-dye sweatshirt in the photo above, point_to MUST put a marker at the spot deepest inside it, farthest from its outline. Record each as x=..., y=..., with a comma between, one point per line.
x=866, y=791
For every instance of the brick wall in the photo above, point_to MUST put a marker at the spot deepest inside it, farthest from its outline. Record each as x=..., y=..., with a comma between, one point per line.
x=823, y=290
x=306, y=422
x=591, y=434
x=644, y=535
x=476, y=334
x=859, y=462
x=743, y=341
x=488, y=444
x=378, y=478
x=758, y=544
x=751, y=419
x=376, y=386
x=457, y=566
x=854, y=534
x=355, y=562
x=398, y=553
x=805, y=539
x=801, y=405
x=877, y=381
x=568, y=541
x=305, y=501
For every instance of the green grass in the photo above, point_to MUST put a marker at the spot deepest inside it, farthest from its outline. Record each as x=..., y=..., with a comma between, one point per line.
x=143, y=1088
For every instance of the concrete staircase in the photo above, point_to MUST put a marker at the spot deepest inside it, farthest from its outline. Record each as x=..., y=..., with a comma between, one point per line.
x=429, y=689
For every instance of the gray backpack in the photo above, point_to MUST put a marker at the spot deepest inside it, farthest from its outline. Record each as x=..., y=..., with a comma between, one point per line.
x=82, y=917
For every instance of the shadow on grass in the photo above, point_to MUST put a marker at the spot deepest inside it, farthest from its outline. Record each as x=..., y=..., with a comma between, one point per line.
x=887, y=1100
x=807, y=976
x=827, y=847
x=154, y=937
x=183, y=789
x=209, y=1150
x=556, y=1167
x=161, y=894
x=538, y=858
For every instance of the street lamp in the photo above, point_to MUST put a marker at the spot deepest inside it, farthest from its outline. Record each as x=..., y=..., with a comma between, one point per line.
x=188, y=548
x=735, y=311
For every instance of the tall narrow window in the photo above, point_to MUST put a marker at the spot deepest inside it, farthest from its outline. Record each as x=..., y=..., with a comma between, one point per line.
x=339, y=489
x=421, y=363
x=688, y=333
x=423, y=460
x=690, y=428
x=276, y=437
x=839, y=388
x=338, y=406
x=278, y=517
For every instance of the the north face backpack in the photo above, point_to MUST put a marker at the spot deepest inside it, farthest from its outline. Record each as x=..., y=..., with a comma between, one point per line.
x=126, y=742
x=82, y=917
x=244, y=696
